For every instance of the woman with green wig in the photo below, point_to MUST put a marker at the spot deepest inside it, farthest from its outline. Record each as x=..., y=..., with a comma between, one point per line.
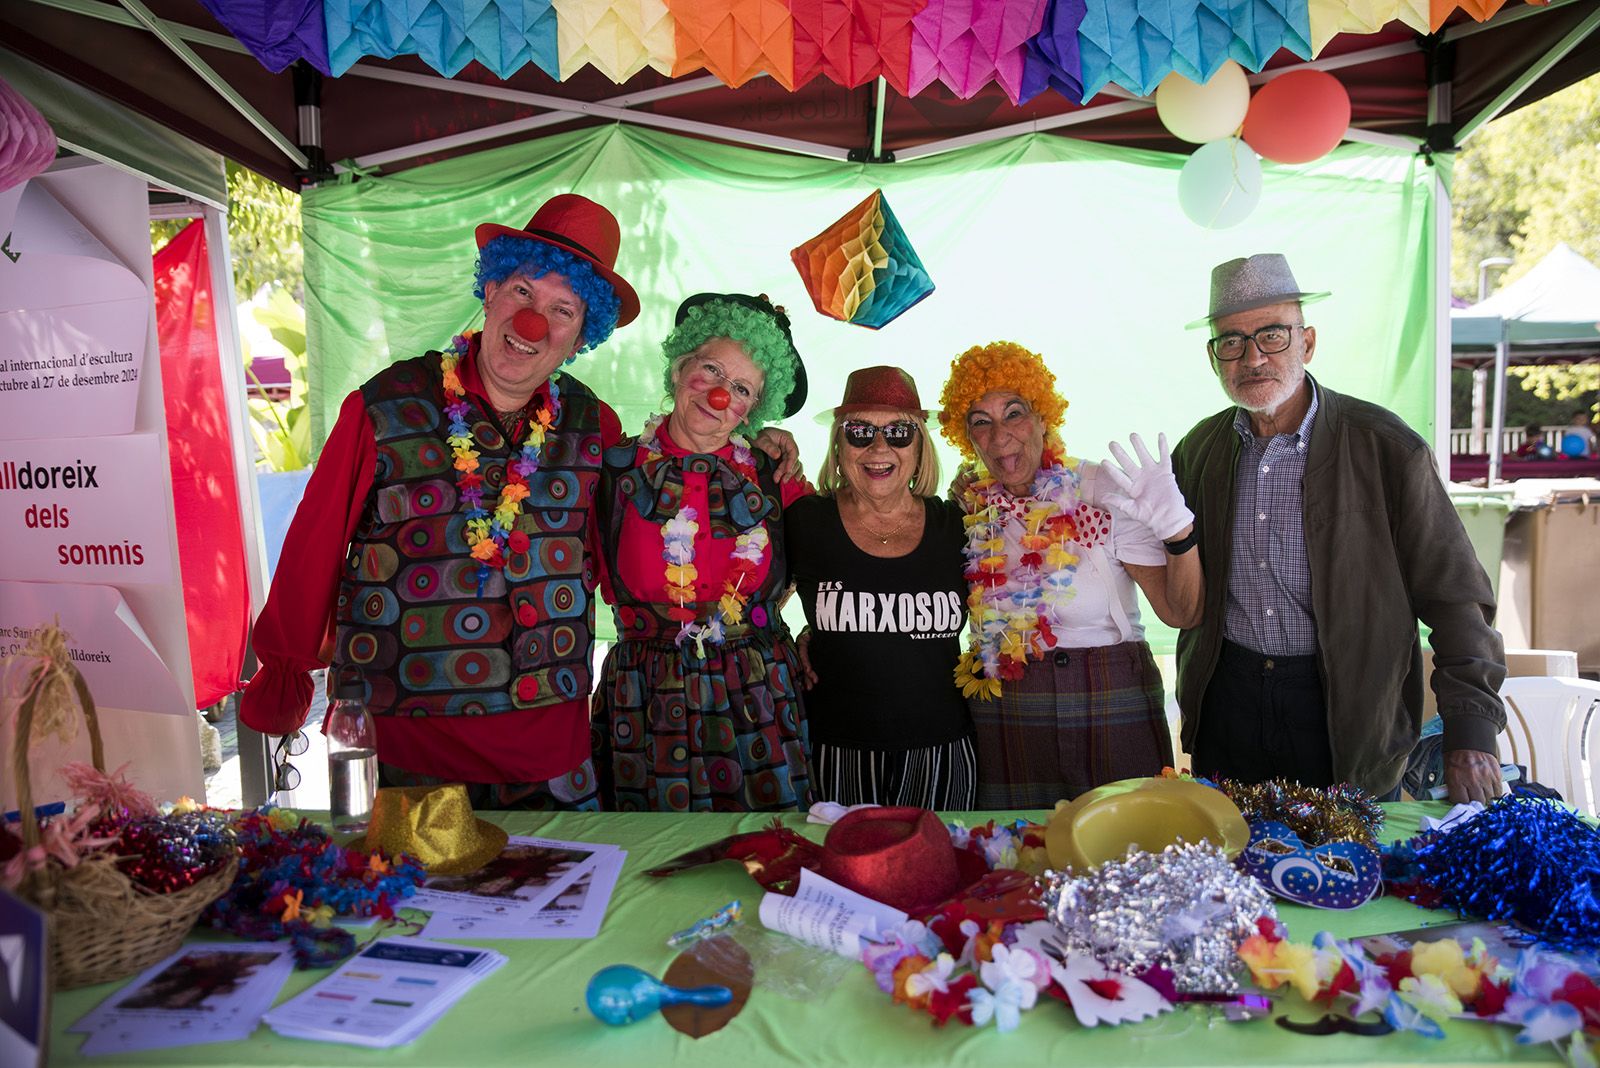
x=698, y=707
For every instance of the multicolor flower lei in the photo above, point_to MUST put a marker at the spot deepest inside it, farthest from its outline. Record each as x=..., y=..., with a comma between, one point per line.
x=678, y=550
x=1419, y=989
x=489, y=533
x=1014, y=602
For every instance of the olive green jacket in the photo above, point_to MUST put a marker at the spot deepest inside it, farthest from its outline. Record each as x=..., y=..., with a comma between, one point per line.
x=1386, y=549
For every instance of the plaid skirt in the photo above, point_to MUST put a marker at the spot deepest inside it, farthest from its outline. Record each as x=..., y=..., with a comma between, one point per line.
x=1076, y=719
x=682, y=732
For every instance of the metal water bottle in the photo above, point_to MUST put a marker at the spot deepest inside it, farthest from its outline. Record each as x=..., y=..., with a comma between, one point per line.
x=352, y=758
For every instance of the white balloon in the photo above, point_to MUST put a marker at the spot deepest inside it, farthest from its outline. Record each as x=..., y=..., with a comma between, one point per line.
x=1204, y=113
x=1220, y=184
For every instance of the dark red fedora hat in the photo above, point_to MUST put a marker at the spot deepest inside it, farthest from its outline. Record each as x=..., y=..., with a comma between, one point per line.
x=585, y=229
x=878, y=387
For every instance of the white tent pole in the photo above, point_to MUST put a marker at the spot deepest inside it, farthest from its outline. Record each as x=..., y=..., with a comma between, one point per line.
x=1497, y=428
x=254, y=756
x=1502, y=17
x=1388, y=140
x=1441, y=315
x=1531, y=74
x=1017, y=129
x=1348, y=59
x=217, y=82
x=604, y=111
x=111, y=13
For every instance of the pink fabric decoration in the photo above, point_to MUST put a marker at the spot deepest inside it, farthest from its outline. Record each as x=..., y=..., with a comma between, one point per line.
x=966, y=44
x=27, y=144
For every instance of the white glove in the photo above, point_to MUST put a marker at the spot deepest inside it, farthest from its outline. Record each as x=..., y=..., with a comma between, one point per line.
x=1146, y=491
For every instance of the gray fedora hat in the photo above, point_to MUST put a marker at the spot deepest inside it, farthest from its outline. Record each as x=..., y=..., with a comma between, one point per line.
x=1253, y=282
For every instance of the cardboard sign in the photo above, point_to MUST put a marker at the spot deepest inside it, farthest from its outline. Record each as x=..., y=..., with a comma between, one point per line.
x=74, y=322
x=106, y=643
x=85, y=510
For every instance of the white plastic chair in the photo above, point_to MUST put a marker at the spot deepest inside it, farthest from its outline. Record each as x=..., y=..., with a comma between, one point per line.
x=1553, y=728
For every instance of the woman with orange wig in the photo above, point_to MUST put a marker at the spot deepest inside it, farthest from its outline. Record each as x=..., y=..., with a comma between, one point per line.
x=1063, y=691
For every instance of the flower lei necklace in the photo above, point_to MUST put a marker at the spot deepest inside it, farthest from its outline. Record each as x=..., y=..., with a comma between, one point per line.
x=490, y=533
x=1013, y=602
x=677, y=550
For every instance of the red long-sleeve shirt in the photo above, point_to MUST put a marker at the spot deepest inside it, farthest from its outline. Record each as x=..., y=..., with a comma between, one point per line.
x=294, y=634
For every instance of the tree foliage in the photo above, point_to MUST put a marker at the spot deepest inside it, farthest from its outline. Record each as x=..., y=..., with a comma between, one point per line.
x=1524, y=184
x=263, y=230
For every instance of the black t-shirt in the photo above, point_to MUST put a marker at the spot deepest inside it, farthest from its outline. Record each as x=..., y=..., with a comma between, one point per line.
x=885, y=633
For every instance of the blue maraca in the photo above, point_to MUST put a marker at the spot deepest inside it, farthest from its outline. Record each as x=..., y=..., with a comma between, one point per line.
x=623, y=994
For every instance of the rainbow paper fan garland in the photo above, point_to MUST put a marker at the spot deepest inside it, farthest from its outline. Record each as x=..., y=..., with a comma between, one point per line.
x=862, y=269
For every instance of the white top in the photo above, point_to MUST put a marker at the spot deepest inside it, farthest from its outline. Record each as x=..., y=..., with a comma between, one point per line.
x=1104, y=609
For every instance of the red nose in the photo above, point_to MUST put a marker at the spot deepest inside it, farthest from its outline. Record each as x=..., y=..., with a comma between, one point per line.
x=529, y=325
x=719, y=398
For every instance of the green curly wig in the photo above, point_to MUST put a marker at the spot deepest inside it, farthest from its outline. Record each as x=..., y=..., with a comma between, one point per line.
x=763, y=340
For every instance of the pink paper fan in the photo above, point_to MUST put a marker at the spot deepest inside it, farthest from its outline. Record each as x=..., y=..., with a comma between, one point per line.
x=27, y=144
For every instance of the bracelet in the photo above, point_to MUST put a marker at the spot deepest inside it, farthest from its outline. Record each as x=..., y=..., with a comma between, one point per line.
x=1183, y=545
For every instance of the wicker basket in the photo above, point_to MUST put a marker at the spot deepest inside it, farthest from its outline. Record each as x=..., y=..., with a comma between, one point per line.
x=102, y=925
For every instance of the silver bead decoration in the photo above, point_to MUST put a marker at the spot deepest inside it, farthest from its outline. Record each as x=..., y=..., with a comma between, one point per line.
x=1186, y=909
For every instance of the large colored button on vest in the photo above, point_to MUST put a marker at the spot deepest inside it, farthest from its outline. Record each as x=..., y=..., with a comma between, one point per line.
x=518, y=541
x=526, y=615
x=527, y=688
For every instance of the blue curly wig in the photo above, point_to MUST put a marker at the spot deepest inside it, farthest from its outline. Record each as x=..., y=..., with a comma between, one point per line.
x=505, y=256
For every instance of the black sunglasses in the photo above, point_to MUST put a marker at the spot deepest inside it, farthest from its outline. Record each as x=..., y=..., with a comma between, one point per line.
x=285, y=775
x=860, y=433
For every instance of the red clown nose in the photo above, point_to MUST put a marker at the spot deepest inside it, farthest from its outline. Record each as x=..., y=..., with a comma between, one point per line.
x=719, y=398
x=530, y=325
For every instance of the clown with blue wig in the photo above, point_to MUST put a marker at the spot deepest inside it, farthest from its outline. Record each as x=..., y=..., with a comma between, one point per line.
x=443, y=558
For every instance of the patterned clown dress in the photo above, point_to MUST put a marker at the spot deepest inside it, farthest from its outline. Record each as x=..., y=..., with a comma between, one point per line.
x=695, y=728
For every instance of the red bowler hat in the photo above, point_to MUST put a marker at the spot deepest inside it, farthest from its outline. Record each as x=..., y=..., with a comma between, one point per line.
x=899, y=856
x=585, y=229
x=878, y=387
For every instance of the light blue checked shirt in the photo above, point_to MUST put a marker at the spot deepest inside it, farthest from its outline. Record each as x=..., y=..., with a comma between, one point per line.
x=1269, y=582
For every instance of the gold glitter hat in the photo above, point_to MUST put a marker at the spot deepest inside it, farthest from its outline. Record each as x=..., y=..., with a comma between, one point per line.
x=1151, y=814
x=435, y=826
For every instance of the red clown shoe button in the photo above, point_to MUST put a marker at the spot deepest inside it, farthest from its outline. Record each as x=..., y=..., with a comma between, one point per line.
x=527, y=688
x=526, y=615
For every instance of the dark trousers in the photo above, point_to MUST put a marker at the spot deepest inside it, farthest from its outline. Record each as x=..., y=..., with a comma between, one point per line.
x=1263, y=717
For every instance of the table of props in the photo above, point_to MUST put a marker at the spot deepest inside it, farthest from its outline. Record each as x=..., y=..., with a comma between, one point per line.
x=532, y=1011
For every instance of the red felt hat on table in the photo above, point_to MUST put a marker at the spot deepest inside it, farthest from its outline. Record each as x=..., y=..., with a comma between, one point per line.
x=900, y=856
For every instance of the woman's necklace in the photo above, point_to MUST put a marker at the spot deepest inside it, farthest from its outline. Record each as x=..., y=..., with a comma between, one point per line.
x=1014, y=598
x=883, y=538
x=678, y=537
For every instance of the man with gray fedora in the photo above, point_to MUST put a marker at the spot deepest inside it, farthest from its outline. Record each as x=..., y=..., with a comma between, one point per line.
x=1325, y=535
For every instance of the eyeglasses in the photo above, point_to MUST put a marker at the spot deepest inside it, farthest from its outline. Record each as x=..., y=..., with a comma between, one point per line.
x=741, y=390
x=1269, y=340
x=860, y=433
x=285, y=775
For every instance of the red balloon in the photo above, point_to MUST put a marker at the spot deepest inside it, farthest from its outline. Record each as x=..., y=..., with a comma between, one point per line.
x=719, y=398
x=1297, y=117
x=530, y=325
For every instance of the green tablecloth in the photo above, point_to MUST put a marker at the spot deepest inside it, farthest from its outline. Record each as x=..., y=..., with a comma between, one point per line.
x=532, y=1011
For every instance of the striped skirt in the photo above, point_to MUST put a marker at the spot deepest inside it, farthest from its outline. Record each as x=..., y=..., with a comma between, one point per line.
x=943, y=777
x=1076, y=719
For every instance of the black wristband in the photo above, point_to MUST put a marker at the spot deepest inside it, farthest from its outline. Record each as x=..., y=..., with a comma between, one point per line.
x=1183, y=545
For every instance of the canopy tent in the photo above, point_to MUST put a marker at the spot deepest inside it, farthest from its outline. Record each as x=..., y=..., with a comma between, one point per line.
x=1549, y=315
x=1428, y=80
x=1554, y=309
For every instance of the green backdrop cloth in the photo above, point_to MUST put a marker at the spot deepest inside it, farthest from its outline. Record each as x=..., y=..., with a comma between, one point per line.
x=1077, y=250
x=532, y=1012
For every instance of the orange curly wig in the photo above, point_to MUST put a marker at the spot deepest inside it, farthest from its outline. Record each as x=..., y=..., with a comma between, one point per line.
x=1000, y=366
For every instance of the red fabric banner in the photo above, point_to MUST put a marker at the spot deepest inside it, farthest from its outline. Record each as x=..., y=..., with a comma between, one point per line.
x=205, y=494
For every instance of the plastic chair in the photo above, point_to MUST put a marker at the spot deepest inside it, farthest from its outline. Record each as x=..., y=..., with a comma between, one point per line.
x=1553, y=728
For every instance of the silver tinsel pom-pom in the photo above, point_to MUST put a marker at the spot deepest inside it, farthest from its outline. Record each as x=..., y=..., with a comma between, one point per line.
x=1186, y=909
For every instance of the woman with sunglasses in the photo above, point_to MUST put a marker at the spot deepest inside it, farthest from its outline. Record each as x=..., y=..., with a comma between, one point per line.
x=877, y=562
x=1064, y=693
x=698, y=706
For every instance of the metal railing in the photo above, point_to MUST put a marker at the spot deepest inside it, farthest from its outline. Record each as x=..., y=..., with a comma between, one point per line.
x=1461, y=443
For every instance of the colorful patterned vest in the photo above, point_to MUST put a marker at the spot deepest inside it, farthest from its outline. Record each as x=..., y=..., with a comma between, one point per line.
x=411, y=621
